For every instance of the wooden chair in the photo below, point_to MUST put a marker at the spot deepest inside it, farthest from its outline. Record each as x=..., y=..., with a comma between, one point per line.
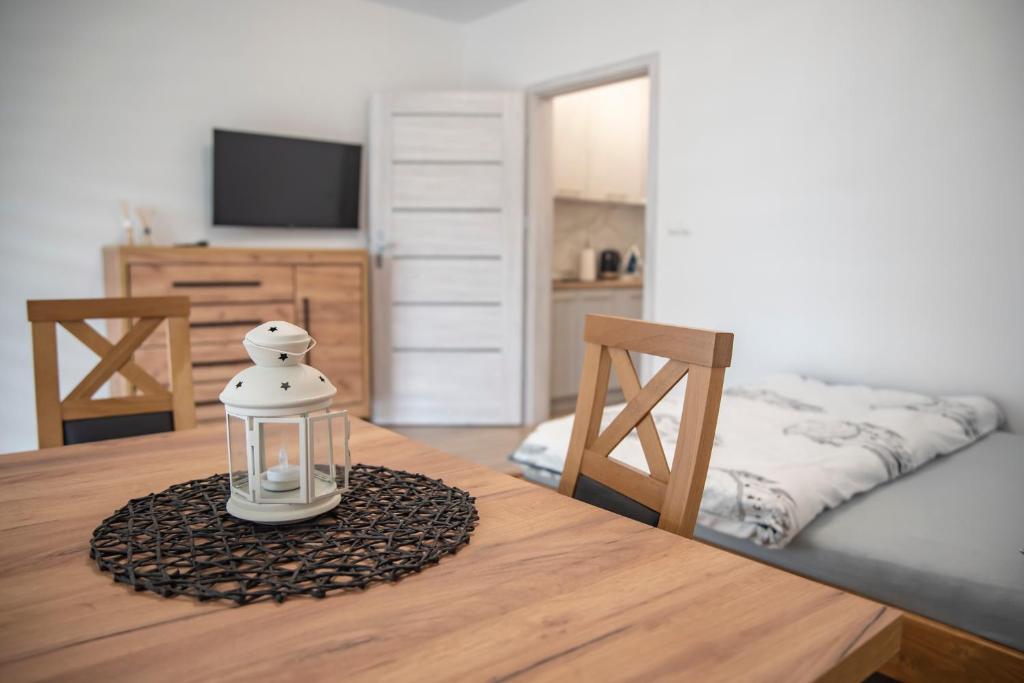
x=78, y=417
x=668, y=498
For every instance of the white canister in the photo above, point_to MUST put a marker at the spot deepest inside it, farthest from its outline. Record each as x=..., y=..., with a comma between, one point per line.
x=588, y=264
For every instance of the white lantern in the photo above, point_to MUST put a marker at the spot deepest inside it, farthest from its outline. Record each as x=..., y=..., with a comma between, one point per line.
x=282, y=433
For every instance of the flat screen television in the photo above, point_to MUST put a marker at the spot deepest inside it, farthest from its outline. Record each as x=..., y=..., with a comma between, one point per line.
x=272, y=181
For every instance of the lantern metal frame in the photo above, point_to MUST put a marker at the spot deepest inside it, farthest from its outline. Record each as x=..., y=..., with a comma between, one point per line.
x=256, y=504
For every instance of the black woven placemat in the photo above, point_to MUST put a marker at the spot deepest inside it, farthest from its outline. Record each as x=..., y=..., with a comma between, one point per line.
x=183, y=542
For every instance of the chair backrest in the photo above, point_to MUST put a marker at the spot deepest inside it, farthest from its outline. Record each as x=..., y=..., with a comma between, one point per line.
x=150, y=407
x=668, y=497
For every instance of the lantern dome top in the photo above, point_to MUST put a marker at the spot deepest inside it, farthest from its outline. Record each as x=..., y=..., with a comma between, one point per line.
x=278, y=384
x=277, y=343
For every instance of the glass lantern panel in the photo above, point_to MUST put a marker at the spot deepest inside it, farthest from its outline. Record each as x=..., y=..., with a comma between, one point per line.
x=238, y=456
x=327, y=447
x=281, y=469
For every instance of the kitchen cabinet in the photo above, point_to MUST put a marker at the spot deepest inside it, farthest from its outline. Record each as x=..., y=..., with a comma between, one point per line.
x=571, y=144
x=600, y=143
x=569, y=309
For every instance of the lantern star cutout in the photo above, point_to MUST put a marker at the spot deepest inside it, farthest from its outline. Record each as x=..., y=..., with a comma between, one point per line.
x=322, y=378
x=238, y=386
x=286, y=386
x=273, y=329
x=283, y=356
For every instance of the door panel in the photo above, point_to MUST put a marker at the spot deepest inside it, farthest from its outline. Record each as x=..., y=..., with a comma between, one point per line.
x=446, y=220
x=442, y=186
x=447, y=234
x=447, y=281
x=437, y=383
x=447, y=327
x=454, y=138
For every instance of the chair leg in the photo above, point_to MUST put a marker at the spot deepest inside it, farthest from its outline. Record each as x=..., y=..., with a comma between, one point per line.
x=44, y=351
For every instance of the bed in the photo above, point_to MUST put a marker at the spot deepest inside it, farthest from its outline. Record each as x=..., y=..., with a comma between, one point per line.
x=922, y=511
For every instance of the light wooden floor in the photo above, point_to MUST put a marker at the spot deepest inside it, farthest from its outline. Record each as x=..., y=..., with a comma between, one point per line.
x=489, y=446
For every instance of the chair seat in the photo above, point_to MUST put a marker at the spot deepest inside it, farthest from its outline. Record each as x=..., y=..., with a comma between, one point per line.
x=605, y=497
x=117, y=427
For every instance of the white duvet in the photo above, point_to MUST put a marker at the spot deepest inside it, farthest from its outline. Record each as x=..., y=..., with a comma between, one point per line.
x=790, y=447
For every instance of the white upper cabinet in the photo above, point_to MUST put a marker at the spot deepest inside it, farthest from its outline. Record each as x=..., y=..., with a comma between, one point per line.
x=571, y=144
x=600, y=143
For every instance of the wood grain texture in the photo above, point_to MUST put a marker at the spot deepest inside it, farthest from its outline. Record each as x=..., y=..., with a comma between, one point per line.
x=99, y=345
x=589, y=408
x=235, y=289
x=620, y=283
x=548, y=589
x=114, y=358
x=933, y=651
x=646, y=430
x=701, y=354
x=212, y=282
x=333, y=305
x=701, y=347
x=112, y=361
x=628, y=481
x=118, y=256
x=179, y=360
x=55, y=310
x=693, y=450
x=639, y=407
x=81, y=409
x=47, y=384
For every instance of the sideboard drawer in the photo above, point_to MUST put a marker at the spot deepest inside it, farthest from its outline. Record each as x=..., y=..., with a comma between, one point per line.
x=224, y=323
x=209, y=283
x=233, y=290
x=241, y=314
x=210, y=362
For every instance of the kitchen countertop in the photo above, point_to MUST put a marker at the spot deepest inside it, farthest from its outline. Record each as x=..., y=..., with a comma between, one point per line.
x=619, y=283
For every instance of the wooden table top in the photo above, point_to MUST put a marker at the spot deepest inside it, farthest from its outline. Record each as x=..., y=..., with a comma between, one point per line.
x=548, y=588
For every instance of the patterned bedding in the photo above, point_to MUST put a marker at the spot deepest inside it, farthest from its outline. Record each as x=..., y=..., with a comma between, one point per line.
x=790, y=447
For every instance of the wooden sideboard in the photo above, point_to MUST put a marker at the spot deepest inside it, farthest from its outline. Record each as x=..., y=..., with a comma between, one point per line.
x=233, y=290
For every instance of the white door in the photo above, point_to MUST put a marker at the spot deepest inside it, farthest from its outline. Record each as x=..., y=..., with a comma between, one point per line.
x=446, y=233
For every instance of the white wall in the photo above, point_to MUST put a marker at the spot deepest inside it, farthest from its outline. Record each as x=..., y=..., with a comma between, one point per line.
x=102, y=101
x=851, y=175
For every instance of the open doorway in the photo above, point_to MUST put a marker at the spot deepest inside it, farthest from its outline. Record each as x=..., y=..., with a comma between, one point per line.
x=590, y=209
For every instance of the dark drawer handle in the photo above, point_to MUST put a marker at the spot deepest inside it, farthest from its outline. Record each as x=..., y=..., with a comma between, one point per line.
x=226, y=323
x=216, y=283
x=212, y=363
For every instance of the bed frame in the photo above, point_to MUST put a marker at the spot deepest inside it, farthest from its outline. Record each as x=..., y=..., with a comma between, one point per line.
x=933, y=651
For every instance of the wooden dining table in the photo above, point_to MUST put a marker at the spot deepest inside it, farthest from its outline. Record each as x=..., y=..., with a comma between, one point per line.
x=549, y=588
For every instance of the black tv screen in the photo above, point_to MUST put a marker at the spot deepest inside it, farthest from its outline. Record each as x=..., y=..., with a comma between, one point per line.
x=271, y=181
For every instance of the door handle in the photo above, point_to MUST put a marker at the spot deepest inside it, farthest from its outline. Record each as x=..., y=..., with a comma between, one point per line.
x=378, y=254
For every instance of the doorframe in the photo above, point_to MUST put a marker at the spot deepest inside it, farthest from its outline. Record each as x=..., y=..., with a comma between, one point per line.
x=540, y=217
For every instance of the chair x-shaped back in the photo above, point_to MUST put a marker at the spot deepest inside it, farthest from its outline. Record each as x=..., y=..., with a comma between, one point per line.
x=79, y=404
x=701, y=356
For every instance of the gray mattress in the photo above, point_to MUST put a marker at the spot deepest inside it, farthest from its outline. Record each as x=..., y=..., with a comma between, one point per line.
x=944, y=541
